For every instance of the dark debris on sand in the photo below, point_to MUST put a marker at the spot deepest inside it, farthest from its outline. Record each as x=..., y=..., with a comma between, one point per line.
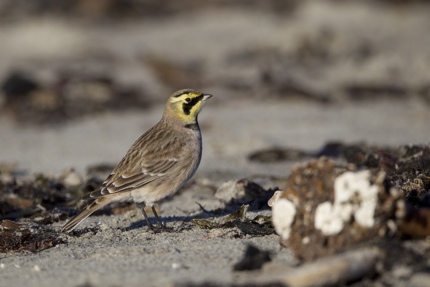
x=257, y=226
x=103, y=10
x=72, y=95
x=19, y=237
x=29, y=205
x=43, y=199
x=406, y=167
x=237, y=198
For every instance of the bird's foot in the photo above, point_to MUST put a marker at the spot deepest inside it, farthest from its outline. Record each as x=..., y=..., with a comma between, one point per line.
x=159, y=229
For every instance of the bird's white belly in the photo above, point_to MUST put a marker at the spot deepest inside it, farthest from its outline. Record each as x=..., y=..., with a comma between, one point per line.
x=149, y=194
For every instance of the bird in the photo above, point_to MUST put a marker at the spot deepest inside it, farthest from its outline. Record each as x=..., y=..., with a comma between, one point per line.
x=159, y=162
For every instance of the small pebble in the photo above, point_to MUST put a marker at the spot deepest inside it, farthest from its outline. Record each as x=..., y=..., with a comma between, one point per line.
x=177, y=266
x=402, y=272
x=71, y=178
x=274, y=198
x=419, y=279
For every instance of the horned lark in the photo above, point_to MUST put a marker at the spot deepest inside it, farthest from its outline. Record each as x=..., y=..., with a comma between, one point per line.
x=158, y=164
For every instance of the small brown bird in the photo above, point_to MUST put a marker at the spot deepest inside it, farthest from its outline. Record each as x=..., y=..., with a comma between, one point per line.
x=158, y=164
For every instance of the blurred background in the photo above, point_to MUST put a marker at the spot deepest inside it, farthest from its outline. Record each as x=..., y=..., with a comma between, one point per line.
x=81, y=80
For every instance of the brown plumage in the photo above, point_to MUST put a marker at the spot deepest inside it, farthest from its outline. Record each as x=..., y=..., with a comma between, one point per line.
x=158, y=164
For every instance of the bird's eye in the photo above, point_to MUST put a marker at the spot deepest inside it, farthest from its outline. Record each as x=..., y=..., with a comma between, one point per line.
x=188, y=100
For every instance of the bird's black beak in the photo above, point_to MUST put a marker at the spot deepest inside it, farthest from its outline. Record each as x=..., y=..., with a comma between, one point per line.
x=206, y=96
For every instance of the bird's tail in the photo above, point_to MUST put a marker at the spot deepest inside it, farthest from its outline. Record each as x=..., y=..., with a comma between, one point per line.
x=92, y=207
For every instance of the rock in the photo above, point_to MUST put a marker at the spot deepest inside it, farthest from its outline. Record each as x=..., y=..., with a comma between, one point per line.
x=229, y=190
x=402, y=272
x=332, y=208
x=274, y=198
x=244, y=192
x=71, y=178
x=420, y=279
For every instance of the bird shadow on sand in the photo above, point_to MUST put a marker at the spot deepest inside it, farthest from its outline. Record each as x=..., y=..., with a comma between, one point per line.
x=233, y=213
x=139, y=224
x=228, y=217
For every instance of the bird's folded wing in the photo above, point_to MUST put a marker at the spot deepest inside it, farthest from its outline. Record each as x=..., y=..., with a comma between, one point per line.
x=144, y=174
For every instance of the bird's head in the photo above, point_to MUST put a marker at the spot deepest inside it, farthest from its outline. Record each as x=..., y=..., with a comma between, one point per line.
x=185, y=105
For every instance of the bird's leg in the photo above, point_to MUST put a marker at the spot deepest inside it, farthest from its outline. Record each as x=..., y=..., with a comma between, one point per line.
x=160, y=223
x=141, y=206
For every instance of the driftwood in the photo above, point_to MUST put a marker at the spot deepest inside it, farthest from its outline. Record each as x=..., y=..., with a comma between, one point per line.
x=338, y=269
x=333, y=270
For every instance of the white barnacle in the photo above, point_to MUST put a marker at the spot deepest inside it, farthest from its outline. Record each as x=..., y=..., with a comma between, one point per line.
x=283, y=213
x=328, y=218
x=349, y=184
x=348, y=187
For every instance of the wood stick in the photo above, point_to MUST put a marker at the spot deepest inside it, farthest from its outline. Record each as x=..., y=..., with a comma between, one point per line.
x=342, y=268
x=333, y=270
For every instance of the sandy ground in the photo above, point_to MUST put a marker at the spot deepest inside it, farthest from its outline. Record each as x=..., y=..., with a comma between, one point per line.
x=234, y=124
x=117, y=256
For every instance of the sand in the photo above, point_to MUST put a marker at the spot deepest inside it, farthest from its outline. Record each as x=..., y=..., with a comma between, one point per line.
x=234, y=123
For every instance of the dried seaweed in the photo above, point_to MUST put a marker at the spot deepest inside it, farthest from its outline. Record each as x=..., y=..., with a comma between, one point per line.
x=26, y=237
x=33, y=198
x=259, y=225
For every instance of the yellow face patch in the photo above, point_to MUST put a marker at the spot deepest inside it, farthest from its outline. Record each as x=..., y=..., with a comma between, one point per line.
x=191, y=103
x=186, y=104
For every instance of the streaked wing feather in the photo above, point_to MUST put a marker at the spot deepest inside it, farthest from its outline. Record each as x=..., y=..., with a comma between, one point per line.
x=159, y=167
x=128, y=181
x=124, y=184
